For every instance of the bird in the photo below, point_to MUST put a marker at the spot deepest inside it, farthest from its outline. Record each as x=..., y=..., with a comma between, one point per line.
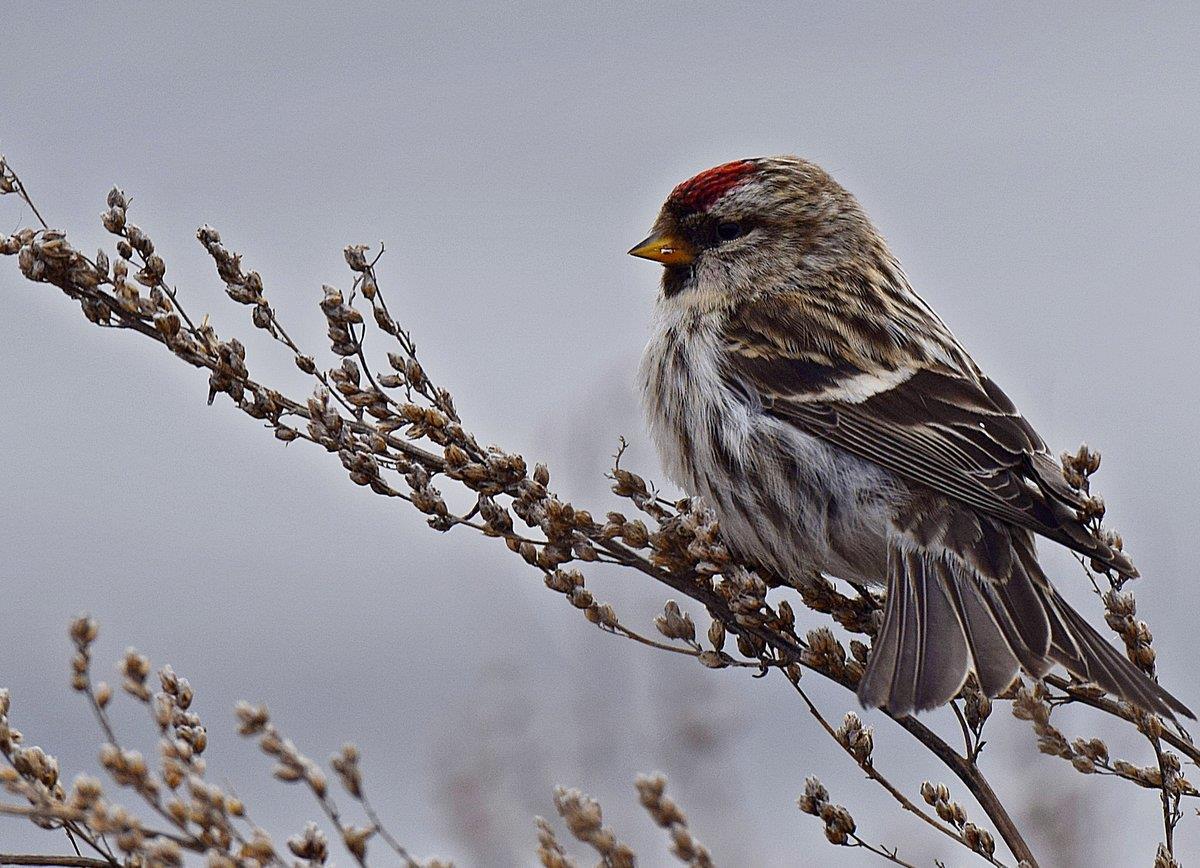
x=796, y=382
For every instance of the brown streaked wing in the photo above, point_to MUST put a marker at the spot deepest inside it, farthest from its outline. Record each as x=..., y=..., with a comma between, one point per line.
x=951, y=432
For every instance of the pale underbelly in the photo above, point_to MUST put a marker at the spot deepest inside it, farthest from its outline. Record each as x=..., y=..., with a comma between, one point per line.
x=784, y=499
x=792, y=502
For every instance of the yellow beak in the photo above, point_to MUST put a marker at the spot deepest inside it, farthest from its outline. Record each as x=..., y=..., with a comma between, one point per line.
x=667, y=249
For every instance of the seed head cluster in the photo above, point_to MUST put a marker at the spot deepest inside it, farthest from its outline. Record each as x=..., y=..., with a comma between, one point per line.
x=399, y=435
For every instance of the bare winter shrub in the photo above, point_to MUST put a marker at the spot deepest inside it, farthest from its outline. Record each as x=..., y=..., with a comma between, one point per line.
x=398, y=433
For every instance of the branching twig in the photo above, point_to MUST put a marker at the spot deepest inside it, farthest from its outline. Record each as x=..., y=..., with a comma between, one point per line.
x=857, y=743
x=678, y=545
x=61, y=861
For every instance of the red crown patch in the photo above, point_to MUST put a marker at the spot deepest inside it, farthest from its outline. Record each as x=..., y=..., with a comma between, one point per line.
x=698, y=193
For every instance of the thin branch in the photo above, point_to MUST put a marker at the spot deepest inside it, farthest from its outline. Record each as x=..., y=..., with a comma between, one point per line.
x=62, y=861
x=21, y=191
x=874, y=774
x=1170, y=804
x=970, y=774
x=689, y=583
x=373, y=445
x=881, y=851
x=387, y=836
x=965, y=770
x=966, y=730
x=1086, y=696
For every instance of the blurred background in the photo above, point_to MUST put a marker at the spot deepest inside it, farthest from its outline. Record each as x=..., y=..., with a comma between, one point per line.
x=1034, y=168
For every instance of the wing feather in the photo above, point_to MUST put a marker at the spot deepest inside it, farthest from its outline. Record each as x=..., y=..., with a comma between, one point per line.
x=953, y=431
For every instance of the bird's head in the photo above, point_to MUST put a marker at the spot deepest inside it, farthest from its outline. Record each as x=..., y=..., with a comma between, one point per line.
x=748, y=227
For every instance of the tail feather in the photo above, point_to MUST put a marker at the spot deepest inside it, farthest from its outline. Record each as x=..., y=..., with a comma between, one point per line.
x=944, y=660
x=1086, y=655
x=1020, y=599
x=1008, y=609
x=992, y=656
x=922, y=654
x=908, y=647
x=875, y=687
x=943, y=619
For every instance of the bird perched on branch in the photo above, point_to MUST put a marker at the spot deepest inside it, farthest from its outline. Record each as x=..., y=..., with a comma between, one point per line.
x=797, y=383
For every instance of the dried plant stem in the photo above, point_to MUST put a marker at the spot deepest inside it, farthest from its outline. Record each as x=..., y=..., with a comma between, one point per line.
x=69, y=819
x=1170, y=801
x=689, y=584
x=971, y=775
x=21, y=191
x=1075, y=693
x=387, y=836
x=150, y=797
x=962, y=767
x=682, y=551
x=873, y=773
x=970, y=744
x=891, y=856
x=62, y=861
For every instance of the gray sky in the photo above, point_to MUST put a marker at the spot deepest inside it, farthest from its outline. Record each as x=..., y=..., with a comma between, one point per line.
x=1034, y=168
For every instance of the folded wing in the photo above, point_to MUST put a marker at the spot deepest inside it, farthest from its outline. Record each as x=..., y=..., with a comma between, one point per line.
x=953, y=431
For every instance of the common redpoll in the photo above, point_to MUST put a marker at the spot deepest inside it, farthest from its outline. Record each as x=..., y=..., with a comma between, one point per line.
x=796, y=382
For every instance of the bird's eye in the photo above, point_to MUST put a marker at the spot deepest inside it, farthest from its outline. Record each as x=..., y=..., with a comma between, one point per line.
x=728, y=231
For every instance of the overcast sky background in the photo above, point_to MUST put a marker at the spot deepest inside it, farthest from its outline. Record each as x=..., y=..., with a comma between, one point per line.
x=1035, y=170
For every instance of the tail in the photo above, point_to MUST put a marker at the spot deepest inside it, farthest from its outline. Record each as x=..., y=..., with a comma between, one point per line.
x=946, y=618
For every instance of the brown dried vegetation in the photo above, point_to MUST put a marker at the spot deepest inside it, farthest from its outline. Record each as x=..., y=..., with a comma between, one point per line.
x=399, y=434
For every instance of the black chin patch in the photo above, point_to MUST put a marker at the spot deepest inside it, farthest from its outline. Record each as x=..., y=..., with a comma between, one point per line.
x=675, y=279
